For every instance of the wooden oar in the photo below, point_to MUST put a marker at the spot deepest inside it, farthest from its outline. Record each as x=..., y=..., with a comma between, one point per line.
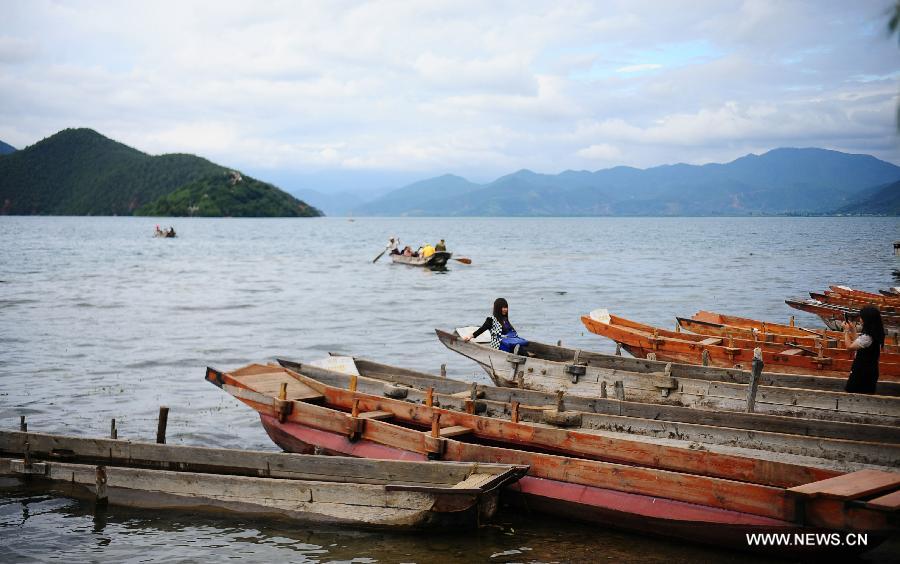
x=464, y=260
x=379, y=255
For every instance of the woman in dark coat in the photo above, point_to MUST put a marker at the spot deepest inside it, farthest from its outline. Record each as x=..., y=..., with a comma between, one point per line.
x=498, y=324
x=868, y=345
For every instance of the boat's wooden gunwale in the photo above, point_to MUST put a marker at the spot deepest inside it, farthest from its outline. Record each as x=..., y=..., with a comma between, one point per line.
x=235, y=461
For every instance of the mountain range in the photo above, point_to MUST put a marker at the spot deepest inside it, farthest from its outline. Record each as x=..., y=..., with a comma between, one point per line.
x=781, y=181
x=81, y=172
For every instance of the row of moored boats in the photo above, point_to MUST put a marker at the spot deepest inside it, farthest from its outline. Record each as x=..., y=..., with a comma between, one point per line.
x=686, y=439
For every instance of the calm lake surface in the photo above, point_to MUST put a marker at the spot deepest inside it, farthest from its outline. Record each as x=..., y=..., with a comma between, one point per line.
x=99, y=320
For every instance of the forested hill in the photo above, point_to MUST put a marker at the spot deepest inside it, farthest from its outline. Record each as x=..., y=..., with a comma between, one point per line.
x=228, y=195
x=6, y=148
x=81, y=172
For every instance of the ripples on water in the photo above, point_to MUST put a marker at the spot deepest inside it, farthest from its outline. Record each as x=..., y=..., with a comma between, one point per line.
x=99, y=320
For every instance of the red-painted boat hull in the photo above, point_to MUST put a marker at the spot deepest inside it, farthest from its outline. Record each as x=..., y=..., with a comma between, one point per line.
x=623, y=510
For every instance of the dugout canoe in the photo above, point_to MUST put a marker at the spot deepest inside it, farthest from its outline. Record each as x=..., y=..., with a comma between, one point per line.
x=305, y=488
x=888, y=298
x=437, y=260
x=811, y=340
x=716, y=352
x=843, y=445
x=832, y=298
x=549, y=368
x=821, y=347
x=679, y=503
x=833, y=315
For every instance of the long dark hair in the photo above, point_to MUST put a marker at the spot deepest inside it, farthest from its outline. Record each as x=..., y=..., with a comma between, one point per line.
x=872, y=325
x=500, y=303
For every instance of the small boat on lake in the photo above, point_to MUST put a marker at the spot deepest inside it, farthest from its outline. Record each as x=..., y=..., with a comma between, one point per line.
x=437, y=260
x=305, y=488
x=834, y=315
x=549, y=368
x=686, y=493
x=643, y=340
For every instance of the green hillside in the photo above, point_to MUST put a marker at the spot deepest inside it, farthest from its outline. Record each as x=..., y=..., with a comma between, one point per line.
x=80, y=172
x=880, y=200
x=228, y=195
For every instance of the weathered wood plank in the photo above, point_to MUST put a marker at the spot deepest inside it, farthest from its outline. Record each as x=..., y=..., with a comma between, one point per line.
x=889, y=502
x=850, y=486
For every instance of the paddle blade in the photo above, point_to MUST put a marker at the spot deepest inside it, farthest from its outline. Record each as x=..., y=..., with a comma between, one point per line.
x=464, y=260
x=379, y=255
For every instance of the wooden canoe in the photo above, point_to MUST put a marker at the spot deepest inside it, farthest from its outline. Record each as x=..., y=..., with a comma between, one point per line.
x=437, y=260
x=689, y=503
x=641, y=344
x=757, y=435
x=812, y=339
x=871, y=297
x=307, y=488
x=833, y=315
x=821, y=347
x=832, y=298
x=597, y=375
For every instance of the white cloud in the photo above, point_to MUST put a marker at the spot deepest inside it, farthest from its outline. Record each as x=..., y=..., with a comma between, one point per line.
x=453, y=86
x=639, y=68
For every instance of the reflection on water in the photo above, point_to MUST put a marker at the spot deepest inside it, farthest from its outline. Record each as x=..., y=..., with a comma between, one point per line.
x=99, y=320
x=72, y=529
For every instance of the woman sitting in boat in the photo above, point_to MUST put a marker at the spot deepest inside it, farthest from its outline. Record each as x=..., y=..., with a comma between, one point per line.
x=868, y=345
x=503, y=334
x=407, y=251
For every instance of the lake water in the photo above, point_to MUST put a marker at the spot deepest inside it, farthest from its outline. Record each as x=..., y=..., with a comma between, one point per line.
x=99, y=320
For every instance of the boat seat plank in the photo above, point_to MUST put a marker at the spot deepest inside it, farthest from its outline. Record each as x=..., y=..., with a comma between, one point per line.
x=475, y=481
x=379, y=415
x=792, y=352
x=270, y=384
x=455, y=431
x=711, y=341
x=889, y=502
x=850, y=486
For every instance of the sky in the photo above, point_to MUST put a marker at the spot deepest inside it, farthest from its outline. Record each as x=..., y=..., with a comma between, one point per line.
x=329, y=95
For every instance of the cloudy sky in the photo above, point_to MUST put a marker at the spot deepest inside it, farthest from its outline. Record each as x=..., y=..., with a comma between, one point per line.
x=320, y=92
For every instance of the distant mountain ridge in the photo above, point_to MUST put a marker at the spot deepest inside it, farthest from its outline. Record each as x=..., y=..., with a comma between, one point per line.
x=816, y=181
x=81, y=172
x=6, y=148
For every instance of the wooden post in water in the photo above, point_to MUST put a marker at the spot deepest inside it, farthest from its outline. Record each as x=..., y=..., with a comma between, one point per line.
x=161, y=427
x=113, y=432
x=23, y=426
x=897, y=248
x=754, y=379
x=101, y=498
x=559, y=343
x=618, y=349
x=443, y=371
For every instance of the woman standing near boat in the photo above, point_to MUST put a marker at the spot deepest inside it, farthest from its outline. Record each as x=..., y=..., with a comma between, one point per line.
x=503, y=334
x=868, y=345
